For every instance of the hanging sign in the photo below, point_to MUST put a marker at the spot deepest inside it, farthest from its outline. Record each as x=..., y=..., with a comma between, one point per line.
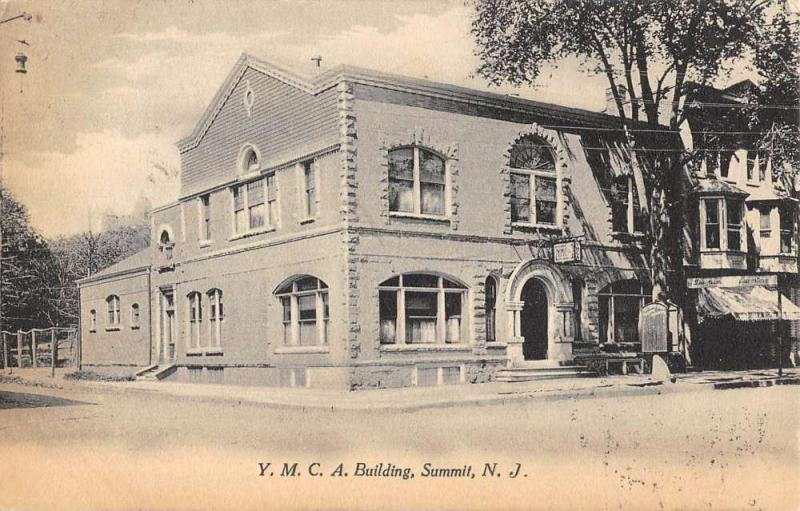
x=732, y=281
x=568, y=251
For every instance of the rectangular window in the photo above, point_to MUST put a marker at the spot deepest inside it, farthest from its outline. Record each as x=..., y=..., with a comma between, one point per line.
x=309, y=189
x=239, y=212
x=388, y=314
x=765, y=226
x=545, y=195
x=787, y=229
x=712, y=225
x=286, y=303
x=520, y=197
x=751, y=165
x=734, y=221
x=452, y=317
x=307, y=317
x=255, y=203
x=401, y=180
x=272, y=200
x=205, y=217
x=421, y=308
x=432, y=183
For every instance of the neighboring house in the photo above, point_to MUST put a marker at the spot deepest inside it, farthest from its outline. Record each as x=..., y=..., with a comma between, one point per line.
x=742, y=222
x=359, y=229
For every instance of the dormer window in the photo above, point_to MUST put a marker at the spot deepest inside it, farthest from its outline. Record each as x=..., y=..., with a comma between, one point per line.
x=534, y=183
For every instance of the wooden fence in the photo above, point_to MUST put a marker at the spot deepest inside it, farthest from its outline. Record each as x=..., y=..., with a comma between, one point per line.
x=40, y=347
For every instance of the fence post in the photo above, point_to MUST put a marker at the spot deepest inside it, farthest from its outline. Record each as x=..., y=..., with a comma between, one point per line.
x=33, y=348
x=19, y=349
x=53, y=353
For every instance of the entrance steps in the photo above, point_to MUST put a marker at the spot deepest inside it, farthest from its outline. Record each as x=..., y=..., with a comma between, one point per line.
x=541, y=370
x=155, y=372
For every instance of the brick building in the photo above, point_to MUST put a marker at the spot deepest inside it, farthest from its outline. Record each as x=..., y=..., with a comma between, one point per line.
x=357, y=229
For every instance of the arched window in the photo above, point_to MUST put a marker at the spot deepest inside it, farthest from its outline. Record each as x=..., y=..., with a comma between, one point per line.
x=490, y=292
x=165, y=244
x=92, y=320
x=135, y=315
x=417, y=181
x=419, y=308
x=113, y=310
x=250, y=161
x=534, y=182
x=306, y=311
x=215, y=317
x=195, y=316
x=619, y=304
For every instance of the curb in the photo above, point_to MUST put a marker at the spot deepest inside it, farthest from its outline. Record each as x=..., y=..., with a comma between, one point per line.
x=756, y=383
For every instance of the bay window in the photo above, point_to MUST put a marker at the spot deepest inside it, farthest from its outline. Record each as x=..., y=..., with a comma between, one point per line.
x=417, y=182
x=305, y=310
x=787, y=228
x=534, y=183
x=417, y=308
x=722, y=224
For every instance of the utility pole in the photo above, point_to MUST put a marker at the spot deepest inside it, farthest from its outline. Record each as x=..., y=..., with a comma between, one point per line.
x=20, y=60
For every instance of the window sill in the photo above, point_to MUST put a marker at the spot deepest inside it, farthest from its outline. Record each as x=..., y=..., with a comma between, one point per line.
x=254, y=232
x=420, y=216
x=112, y=329
x=546, y=227
x=135, y=327
x=247, y=177
x=307, y=220
x=720, y=251
x=206, y=243
x=204, y=351
x=424, y=347
x=93, y=331
x=285, y=350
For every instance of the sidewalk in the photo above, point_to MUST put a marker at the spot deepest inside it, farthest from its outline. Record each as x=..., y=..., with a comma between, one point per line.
x=419, y=398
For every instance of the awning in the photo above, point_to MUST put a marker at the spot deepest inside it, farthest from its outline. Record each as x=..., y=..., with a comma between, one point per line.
x=755, y=303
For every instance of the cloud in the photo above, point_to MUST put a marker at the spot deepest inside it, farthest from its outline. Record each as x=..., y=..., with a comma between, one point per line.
x=107, y=171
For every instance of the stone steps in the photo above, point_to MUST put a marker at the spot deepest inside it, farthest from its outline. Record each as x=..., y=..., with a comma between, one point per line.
x=155, y=373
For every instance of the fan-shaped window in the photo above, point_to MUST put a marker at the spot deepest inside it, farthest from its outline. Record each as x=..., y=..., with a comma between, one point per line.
x=250, y=161
x=534, y=183
x=417, y=181
x=418, y=308
x=113, y=310
x=619, y=304
x=305, y=310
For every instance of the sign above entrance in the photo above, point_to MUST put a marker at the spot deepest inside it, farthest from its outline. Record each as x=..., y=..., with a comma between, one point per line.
x=568, y=251
x=732, y=281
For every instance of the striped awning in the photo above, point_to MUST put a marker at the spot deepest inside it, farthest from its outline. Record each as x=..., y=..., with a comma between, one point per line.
x=755, y=303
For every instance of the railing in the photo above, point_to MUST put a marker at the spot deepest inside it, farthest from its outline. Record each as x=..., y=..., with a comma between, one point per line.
x=39, y=347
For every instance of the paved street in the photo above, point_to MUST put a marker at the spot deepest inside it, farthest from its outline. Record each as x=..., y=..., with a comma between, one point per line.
x=86, y=447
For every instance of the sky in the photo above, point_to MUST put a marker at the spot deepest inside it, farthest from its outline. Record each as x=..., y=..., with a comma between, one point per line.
x=114, y=84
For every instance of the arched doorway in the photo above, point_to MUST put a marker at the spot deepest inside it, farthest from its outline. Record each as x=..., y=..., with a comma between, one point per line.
x=534, y=320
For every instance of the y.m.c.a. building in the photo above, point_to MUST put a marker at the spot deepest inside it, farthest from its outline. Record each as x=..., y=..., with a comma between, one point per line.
x=357, y=229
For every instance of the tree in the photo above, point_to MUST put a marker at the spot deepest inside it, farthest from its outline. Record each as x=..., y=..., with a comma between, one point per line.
x=23, y=253
x=651, y=48
x=82, y=255
x=777, y=60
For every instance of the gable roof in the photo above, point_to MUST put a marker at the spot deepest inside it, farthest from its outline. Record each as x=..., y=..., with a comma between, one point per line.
x=314, y=84
x=140, y=261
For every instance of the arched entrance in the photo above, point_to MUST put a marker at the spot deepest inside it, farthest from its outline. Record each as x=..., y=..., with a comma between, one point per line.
x=534, y=320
